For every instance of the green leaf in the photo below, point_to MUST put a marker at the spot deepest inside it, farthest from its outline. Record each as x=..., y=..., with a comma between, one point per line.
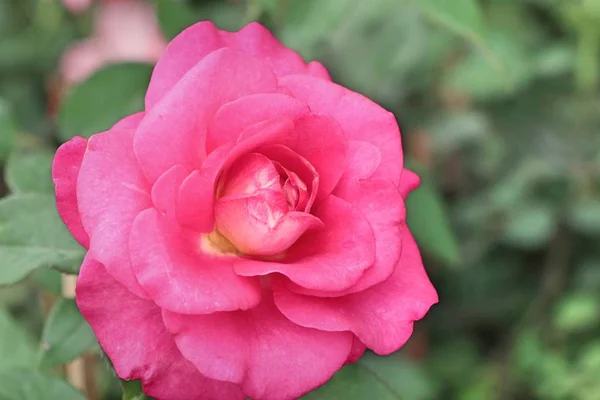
x=24, y=384
x=577, y=312
x=463, y=17
x=381, y=378
x=8, y=130
x=429, y=222
x=132, y=390
x=111, y=94
x=584, y=215
x=33, y=236
x=29, y=171
x=173, y=17
x=530, y=225
x=66, y=335
x=47, y=279
x=310, y=22
x=16, y=350
x=472, y=76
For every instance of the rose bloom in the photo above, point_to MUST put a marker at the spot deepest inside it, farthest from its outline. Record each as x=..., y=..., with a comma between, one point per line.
x=124, y=30
x=246, y=233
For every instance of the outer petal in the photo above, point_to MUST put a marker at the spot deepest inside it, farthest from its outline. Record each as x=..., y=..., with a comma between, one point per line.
x=65, y=170
x=181, y=275
x=358, y=349
x=360, y=118
x=131, y=332
x=174, y=130
x=383, y=206
x=331, y=259
x=112, y=191
x=130, y=122
x=382, y=316
x=269, y=356
x=197, y=41
x=234, y=117
x=363, y=160
x=408, y=182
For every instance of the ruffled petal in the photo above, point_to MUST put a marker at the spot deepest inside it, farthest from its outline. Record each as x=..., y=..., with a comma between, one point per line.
x=358, y=349
x=174, y=130
x=65, y=171
x=255, y=228
x=383, y=206
x=132, y=333
x=181, y=273
x=382, y=316
x=299, y=168
x=330, y=259
x=363, y=160
x=408, y=182
x=234, y=117
x=164, y=192
x=270, y=357
x=130, y=122
x=360, y=118
x=203, y=38
x=195, y=204
x=111, y=191
x=322, y=142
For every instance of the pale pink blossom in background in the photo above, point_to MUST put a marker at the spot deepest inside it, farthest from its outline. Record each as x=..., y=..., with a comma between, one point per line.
x=125, y=30
x=77, y=6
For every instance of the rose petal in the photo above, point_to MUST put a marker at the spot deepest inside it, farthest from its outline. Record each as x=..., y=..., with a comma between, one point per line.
x=109, y=199
x=249, y=174
x=408, y=182
x=360, y=118
x=382, y=316
x=234, y=117
x=298, y=165
x=65, y=170
x=197, y=194
x=270, y=357
x=131, y=332
x=383, y=206
x=363, y=160
x=330, y=259
x=358, y=349
x=130, y=122
x=174, y=130
x=322, y=142
x=257, y=228
x=203, y=38
x=164, y=192
x=185, y=279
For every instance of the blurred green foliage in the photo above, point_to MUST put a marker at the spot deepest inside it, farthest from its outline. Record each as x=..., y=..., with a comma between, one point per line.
x=499, y=108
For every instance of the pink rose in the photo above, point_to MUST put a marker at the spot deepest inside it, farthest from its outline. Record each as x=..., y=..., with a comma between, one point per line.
x=246, y=233
x=124, y=30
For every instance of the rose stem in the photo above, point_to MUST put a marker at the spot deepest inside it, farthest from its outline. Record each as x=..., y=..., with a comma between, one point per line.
x=75, y=370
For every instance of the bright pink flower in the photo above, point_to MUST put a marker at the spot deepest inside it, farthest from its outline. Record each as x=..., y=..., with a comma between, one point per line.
x=246, y=233
x=124, y=30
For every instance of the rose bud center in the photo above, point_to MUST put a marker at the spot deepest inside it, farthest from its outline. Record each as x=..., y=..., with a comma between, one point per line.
x=261, y=206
